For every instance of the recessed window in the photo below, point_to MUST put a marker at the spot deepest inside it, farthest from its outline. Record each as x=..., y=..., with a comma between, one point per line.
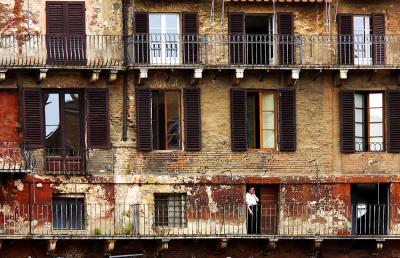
x=68, y=212
x=369, y=121
x=166, y=120
x=170, y=210
x=261, y=120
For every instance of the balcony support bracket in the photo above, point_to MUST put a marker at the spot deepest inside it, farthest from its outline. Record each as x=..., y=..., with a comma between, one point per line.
x=316, y=249
x=162, y=246
x=343, y=74
x=271, y=246
x=109, y=247
x=112, y=76
x=42, y=75
x=197, y=75
x=295, y=74
x=239, y=74
x=51, y=246
x=337, y=80
x=143, y=75
x=94, y=76
x=379, y=247
x=223, y=244
x=3, y=75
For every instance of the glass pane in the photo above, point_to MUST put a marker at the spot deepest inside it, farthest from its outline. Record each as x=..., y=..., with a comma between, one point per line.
x=268, y=101
x=171, y=22
x=375, y=100
x=376, y=144
x=359, y=130
x=155, y=23
x=359, y=144
x=268, y=139
x=250, y=122
x=359, y=100
x=359, y=115
x=173, y=115
x=72, y=125
x=268, y=120
x=376, y=130
x=376, y=115
x=52, y=121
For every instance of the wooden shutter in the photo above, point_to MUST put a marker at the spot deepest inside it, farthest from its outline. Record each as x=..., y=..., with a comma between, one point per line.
x=347, y=121
x=287, y=117
x=378, y=38
x=236, y=37
x=55, y=32
x=190, y=31
x=286, y=38
x=393, y=121
x=33, y=118
x=345, y=39
x=98, y=118
x=192, y=119
x=76, y=32
x=143, y=119
x=238, y=119
x=141, y=39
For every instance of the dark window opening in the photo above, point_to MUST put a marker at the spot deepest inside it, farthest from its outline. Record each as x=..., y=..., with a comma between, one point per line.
x=170, y=210
x=260, y=39
x=68, y=213
x=369, y=209
x=166, y=128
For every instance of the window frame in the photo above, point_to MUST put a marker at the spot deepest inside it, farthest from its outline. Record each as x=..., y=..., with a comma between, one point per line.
x=67, y=199
x=260, y=131
x=367, y=122
x=164, y=221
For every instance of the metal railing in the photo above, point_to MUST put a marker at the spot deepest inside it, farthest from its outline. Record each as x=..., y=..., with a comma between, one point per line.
x=95, y=51
x=77, y=219
x=64, y=160
x=15, y=158
x=255, y=50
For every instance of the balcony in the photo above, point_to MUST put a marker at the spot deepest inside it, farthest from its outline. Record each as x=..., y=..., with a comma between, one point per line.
x=64, y=161
x=75, y=219
x=265, y=51
x=15, y=158
x=64, y=51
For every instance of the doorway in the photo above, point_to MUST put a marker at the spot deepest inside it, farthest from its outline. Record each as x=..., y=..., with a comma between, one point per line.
x=260, y=39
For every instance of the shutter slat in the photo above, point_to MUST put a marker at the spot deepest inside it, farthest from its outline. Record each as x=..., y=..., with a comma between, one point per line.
x=190, y=30
x=236, y=36
x=33, y=118
x=141, y=44
x=98, y=118
x=143, y=119
x=286, y=38
x=378, y=38
x=238, y=119
x=393, y=121
x=347, y=121
x=346, y=39
x=192, y=119
x=287, y=113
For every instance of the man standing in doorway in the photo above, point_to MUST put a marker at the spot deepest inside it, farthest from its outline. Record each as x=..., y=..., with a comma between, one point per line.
x=252, y=208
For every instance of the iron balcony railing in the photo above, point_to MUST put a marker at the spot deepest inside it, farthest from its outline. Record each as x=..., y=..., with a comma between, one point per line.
x=264, y=50
x=76, y=219
x=15, y=158
x=64, y=161
x=59, y=50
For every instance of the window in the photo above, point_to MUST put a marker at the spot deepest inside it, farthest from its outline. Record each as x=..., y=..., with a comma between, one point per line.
x=166, y=119
x=261, y=120
x=369, y=121
x=170, y=210
x=362, y=40
x=164, y=38
x=68, y=213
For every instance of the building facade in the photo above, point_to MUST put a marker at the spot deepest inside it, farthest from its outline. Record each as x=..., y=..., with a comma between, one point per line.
x=137, y=127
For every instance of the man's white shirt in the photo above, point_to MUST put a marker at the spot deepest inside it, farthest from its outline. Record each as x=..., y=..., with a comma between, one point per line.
x=251, y=199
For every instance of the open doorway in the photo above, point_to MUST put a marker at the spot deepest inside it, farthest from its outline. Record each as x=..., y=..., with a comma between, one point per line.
x=260, y=38
x=369, y=209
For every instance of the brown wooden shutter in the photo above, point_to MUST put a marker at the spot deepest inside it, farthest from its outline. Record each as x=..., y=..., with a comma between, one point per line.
x=33, y=118
x=238, y=119
x=286, y=38
x=378, y=38
x=55, y=32
x=345, y=39
x=287, y=117
x=236, y=36
x=393, y=121
x=141, y=39
x=143, y=119
x=76, y=32
x=347, y=121
x=190, y=31
x=98, y=118
x=192, y=119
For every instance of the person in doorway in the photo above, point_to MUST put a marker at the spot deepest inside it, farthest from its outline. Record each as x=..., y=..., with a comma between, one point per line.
x=252, y=210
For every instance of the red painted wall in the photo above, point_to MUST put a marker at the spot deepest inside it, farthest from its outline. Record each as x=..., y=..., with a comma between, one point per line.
x=9, y=116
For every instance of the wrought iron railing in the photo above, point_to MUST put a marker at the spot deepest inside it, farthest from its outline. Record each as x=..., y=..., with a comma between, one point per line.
x=65, y=161
x=15, y=158
x=77, y=219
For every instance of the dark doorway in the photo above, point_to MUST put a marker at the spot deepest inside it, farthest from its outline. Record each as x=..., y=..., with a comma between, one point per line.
x=253, y=211
x=260, y=38
x=269, y=197
x=369, y=209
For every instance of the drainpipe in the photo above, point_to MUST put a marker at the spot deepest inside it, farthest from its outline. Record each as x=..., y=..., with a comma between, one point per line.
x=125, y=74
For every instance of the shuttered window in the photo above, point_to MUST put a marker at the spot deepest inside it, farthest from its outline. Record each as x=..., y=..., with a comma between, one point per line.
x=238, y=119
x=66, y=37
x=346, y=39
x=190, y=30
x=98, y=118
x=33, y=118
x=143, y=119
x=286, y=38
x=192, y=119
x=236, y=37
x=287, y=115
x=141, y=39
x=347, y=121
x=393, y=121
x=378, y=38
